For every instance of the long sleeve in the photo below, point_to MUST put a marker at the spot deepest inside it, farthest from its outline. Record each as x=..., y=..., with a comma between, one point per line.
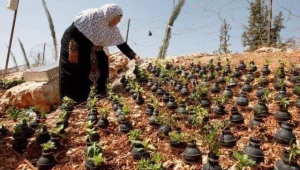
x=127, y=50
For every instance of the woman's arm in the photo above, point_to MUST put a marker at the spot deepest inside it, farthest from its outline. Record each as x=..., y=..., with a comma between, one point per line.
x=128, y=51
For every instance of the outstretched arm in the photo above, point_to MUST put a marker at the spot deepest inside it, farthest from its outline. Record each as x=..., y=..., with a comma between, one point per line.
x=128, y=51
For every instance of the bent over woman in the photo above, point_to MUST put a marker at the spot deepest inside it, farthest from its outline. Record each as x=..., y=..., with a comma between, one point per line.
x=83, y=62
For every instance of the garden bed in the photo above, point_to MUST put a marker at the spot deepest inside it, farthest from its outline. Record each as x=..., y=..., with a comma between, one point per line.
x=117, y=147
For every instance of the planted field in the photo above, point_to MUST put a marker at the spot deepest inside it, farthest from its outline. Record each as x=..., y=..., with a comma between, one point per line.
x=193, y=113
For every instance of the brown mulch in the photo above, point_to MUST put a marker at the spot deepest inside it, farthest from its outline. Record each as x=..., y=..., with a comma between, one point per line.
x=116, y=144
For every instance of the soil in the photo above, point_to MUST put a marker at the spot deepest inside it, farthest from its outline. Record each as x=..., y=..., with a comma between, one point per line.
x=117, y=147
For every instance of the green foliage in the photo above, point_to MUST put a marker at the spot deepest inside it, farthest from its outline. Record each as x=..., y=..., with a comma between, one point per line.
x=91, y=104
x=221, y=99
x=200, y=113
x=256, y=33
x=48, y=146
x=104, y=112
x=268, y=62
x=243, y=160
x=135, y=134
x=17, y=130
x=145, y=143
x=277, y=27
x=68, y=101
x=62, y=115
x=89, y=124
x=94, y=149
x=282, y=63
x=178, y=137
x=297, y=90
x=284, y=102
x=57, y=131
x=15, y=113
x=155, y=163
x=126, y=110
x=210, y=141
x=97, y=159
x=294, y=151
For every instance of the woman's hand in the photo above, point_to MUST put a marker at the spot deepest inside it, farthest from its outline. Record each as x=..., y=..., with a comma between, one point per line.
x=73, y=57
x=138, y=60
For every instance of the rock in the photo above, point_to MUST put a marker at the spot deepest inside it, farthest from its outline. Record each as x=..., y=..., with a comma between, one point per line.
x=268, y=49
x=117, y=62
x=44, y=95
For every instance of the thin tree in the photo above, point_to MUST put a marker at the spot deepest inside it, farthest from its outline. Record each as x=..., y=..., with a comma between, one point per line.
x=14, y=58
x=275, y=31
x=51, y=25
x=256, y=33
x=24, y=54
x=164, y=47
x=224, y=37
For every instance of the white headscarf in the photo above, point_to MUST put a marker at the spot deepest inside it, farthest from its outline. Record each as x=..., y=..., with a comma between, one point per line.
x=94, y=24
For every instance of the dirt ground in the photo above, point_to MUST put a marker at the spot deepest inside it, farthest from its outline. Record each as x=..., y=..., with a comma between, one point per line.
x=116, y=144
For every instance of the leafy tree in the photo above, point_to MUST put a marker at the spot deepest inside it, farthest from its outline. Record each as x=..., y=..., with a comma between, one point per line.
x=224, y=37
x=256, y=33
x=277, y=27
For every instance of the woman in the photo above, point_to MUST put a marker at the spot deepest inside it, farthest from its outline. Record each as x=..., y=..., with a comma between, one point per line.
x=83, y=62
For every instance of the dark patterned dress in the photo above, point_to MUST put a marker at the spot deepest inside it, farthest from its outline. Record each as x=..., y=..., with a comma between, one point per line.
x=92, y=68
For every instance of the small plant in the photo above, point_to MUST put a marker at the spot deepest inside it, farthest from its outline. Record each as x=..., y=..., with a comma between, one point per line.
x=14, y=113
x=35, y=109
x=126, y=110
x=178, y=137
x=48, y=146
x=97, y=159
x=268, y=62
x=68, y=101
x=137, y=88
x=91, y=133
x=104, y=112
x=155, y=163
x=17, y=130
x=89, y=124
x=183, y=80
x=94, y=149
x=92, y=93
x=285, y=102
x=146, y=145
x=91, y=104
x=202, y=90
x=243, y=160
x=294, y=151
x=297, y=90
x=282, y=63
x=63, y=114
x=200, y=114
x=57, y=131
x=210, y=141
x=135, y=134
x=228, y=61
x=221, y=100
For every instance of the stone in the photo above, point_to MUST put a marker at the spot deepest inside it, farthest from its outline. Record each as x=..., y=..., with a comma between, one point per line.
x=43, y=73
x=117, y=62
x=268, y=49
x=44, y=95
